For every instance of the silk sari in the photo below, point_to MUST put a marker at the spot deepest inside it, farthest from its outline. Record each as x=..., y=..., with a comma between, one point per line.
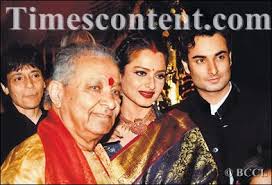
x=171, y=151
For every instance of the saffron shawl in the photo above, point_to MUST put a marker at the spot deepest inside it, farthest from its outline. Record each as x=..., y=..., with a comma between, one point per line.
x=65, y=162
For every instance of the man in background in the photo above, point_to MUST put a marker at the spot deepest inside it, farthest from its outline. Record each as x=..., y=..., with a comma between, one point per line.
x=22, y=81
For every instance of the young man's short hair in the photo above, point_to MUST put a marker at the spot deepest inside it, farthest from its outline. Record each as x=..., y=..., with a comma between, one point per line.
x=187, y=37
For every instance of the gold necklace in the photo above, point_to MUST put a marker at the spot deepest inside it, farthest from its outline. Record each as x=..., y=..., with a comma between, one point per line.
x=138, y=126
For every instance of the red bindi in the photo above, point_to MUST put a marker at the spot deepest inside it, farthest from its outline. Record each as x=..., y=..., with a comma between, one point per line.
x=111, y=81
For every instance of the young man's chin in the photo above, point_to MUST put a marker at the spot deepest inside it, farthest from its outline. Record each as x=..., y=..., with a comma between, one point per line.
x=30, y=107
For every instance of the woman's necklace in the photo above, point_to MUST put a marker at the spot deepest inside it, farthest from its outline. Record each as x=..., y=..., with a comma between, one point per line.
x=138, y=126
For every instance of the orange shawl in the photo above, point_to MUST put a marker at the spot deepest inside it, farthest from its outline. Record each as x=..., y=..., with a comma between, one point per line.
x=65, y=162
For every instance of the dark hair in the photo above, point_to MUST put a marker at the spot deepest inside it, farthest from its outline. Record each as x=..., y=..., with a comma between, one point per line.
x=16, y=57
x=136, y=42
x=188, y=39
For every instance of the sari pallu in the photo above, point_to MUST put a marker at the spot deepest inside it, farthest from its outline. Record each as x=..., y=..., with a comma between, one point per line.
x=171, y=151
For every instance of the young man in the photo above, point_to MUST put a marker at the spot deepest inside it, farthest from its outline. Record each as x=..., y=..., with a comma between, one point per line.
x=232, y=123
x=22, y=81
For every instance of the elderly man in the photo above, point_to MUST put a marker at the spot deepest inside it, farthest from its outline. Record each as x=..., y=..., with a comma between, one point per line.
x=22, y=81
x=85, y=95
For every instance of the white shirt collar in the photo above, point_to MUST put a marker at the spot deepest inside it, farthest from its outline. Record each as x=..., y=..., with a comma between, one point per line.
x=216, y=106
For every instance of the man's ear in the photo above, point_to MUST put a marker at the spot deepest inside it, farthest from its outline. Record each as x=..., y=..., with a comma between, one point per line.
x=230, y=54
x=44, y=85
x=55, y=91
x=186, y=67
x=5, y=89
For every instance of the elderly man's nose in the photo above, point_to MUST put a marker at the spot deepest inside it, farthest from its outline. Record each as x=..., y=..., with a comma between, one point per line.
x=108, y=100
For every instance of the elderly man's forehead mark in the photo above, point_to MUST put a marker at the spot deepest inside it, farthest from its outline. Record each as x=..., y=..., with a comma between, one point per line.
x=111, y=81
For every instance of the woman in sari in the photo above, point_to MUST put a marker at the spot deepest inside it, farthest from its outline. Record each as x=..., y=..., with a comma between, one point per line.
x=145, y=146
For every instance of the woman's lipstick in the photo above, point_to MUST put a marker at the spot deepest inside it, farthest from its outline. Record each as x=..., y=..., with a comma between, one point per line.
x=147, y=94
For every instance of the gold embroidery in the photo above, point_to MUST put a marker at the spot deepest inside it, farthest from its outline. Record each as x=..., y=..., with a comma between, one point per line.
x=193, y=141
x=193, y=164
x=133, y=161
x=25, y=163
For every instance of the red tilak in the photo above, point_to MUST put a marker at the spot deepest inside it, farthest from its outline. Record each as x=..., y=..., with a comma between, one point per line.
x=111, y=81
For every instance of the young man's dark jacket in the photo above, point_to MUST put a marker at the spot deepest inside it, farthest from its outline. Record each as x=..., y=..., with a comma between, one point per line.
x=240, y=125
x=15, y=128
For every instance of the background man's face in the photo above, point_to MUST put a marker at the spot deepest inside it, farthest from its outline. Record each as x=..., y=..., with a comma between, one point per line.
x=25, y=87
x=91, y=100
x=209, y=63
